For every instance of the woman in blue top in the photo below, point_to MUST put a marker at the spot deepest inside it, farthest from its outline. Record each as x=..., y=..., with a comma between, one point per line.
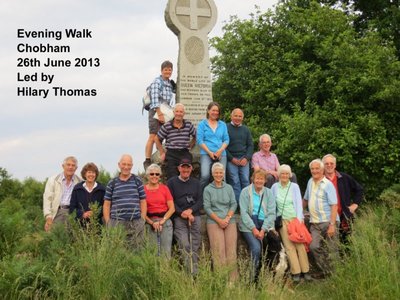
x=213, y=138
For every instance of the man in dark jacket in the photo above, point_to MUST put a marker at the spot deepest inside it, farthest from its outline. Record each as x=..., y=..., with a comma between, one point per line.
x=349, y=193
x=188, y=200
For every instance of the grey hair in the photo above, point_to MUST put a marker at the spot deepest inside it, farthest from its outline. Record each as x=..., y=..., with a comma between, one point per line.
x=216, y=166
x=265, y=135
x=317, y=160
x=285, y=168
x=73, y=158
x=153, y=167
x=327, y=156
x=179, y=105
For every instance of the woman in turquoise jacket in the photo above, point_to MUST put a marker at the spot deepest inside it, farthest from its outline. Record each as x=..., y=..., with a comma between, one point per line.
x=257, y=217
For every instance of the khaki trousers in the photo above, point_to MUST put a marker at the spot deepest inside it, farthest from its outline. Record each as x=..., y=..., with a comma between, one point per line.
x=296, y=252
x=223, y=244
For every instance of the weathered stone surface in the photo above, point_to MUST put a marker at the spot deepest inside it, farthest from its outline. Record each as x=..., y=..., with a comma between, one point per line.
x=191, y=21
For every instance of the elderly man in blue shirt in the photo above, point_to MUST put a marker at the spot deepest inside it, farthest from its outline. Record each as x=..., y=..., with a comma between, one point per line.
x=320, y=198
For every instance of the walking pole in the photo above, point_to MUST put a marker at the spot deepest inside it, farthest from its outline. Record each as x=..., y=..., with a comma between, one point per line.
x=191, y=246
x=158, y=243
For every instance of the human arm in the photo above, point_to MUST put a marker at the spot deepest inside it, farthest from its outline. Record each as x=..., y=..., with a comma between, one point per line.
x=224, y=138
x=106, y=210
x=270, y=213
x=48, y=198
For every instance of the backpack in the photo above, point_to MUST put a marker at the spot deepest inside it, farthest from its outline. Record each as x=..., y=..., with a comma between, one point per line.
x=146, y=99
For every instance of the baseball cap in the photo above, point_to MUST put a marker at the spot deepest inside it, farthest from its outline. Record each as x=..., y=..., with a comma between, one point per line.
x=185, y=162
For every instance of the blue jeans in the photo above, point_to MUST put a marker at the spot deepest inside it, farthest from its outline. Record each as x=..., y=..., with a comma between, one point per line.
x=205, y=169
x=238, y=177
x=255, y=252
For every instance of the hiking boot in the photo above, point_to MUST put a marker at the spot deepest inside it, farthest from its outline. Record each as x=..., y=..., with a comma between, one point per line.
x=146, y=163
x=307, y=277
x=296, y=278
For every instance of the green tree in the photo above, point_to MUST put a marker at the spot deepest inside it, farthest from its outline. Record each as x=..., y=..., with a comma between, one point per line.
x=303, y=74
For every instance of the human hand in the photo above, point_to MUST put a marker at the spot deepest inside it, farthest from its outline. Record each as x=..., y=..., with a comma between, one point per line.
x=218, y=153
x=162, y=156
x=161, y=118
x=261, y=234
x=243, y=161
x=353, y=208
x=47, y=225
x=157, y=226
x=331, y=230
x=255, y=232
x=223, y=223
x=235, y=161
x=87, y=214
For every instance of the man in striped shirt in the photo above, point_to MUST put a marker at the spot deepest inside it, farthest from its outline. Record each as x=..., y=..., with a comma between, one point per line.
x=125, y=202
x=180, y=136
x=320, y=197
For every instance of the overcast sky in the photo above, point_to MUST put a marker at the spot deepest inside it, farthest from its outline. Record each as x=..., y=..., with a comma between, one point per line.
x=131, y=40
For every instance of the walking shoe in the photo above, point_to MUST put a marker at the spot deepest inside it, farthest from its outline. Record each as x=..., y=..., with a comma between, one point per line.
x=146, y=163
x=296, y=278
x=307, y=277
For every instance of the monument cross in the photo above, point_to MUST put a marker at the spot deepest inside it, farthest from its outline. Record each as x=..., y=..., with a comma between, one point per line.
x=193, y=12
x=191, y=21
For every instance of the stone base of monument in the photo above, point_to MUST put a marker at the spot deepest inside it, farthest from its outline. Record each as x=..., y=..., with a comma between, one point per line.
x=155, y=158
x=242, y=249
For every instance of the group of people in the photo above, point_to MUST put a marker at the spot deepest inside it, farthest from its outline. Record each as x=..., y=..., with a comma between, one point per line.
x=269, y=206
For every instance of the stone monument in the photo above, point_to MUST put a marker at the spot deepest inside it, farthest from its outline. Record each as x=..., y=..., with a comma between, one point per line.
x=191, y=21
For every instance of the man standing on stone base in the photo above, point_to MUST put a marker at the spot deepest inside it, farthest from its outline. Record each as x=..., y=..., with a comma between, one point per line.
x=125, y=203
x=239, y=152
x=57, y=193
x=188, y=200
x=320, y=197
x=180, y=136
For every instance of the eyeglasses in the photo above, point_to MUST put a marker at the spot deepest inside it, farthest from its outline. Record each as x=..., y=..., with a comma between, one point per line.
x=154, y=174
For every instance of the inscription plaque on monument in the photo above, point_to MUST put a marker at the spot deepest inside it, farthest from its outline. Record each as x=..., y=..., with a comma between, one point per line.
x=191, y=21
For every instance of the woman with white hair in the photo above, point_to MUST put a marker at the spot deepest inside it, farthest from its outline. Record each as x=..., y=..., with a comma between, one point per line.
x=160, y=207
x=289, y=206
x=220, y=205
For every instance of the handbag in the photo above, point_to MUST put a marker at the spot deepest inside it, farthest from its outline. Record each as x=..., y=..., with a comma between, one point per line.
x=257, y=222
x=278, y=220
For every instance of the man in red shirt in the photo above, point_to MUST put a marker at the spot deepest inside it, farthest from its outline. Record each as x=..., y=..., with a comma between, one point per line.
x=349, y=193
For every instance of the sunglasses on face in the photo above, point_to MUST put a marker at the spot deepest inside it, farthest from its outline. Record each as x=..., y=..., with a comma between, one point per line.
x=154, y=174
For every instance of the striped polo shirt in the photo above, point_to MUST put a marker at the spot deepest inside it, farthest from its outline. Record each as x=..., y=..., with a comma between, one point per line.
x=177, y=138
x=320, y=197
x=125, y=197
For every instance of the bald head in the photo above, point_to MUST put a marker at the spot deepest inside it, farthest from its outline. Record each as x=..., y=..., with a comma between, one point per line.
x=125, y=165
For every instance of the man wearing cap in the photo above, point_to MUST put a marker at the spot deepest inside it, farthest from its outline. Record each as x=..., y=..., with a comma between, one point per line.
x=180, y=136
x=57, y=193
x=188, y=201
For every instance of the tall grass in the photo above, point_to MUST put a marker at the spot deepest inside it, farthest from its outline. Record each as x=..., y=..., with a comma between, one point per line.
x=370, y=267
x=97, y=264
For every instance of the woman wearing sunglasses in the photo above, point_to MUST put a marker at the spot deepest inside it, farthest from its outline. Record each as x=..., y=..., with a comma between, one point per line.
x=160, y=207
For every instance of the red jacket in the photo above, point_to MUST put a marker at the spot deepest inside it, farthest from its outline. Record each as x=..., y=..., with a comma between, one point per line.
x=298, y=233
